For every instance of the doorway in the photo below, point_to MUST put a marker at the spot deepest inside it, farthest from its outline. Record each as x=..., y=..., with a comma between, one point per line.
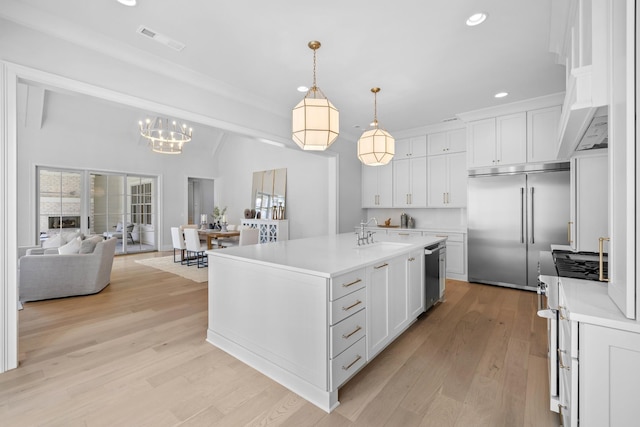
x=200, y=200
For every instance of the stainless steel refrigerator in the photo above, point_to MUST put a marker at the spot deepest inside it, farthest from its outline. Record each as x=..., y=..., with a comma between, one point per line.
x=513, y=214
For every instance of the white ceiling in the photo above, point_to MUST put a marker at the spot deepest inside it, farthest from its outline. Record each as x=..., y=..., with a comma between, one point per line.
x=429, y=64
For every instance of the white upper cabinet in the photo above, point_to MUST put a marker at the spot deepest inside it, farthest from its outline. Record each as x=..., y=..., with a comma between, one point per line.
x=589, y=196
x=453, y=141
x=542, y=134
x=447, y=181
x=518, y=138
x=377, y=186
x=482, y=143
x=411, y=147
x=410, y=182
x=511, y=139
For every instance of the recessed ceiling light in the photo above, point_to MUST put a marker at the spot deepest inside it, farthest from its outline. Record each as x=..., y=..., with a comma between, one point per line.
x=501, y=94
x=127, y=2
x=303, y=89
x=476, y=19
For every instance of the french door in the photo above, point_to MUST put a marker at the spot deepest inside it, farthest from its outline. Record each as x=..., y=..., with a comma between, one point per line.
x=108, y=204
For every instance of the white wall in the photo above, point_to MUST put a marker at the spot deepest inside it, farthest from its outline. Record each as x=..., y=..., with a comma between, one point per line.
x=307, y=184
x=79, y=133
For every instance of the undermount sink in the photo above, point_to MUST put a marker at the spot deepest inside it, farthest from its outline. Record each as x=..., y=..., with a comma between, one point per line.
x=383, y=245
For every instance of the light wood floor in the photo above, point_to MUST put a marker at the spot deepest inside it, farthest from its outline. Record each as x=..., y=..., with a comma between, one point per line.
x=135, y=355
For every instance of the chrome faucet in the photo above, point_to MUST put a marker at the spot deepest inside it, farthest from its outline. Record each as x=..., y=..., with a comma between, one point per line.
x=362, y=236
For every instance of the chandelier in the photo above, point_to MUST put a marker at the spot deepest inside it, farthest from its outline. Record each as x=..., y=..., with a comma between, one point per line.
x=165, y=137
x=315, y=119
x=376, y=147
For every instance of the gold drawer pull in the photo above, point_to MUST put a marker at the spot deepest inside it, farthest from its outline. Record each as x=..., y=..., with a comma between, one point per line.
x=347, y=336
x=352, y=305
x=346, y=285
x=411, y=259
x=403, y=234
x=562, y=365
x=381, y=266
x=346, y=368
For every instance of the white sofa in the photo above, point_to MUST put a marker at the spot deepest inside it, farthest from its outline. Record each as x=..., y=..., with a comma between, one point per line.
x=52, y=275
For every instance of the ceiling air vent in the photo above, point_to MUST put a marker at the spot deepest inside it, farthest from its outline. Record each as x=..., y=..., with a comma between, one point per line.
x=160, y=38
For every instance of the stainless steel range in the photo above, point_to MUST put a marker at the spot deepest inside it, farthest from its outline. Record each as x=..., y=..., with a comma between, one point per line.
x=551, y=267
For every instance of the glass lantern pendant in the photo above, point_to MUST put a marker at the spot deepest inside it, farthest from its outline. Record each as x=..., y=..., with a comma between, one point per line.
x=376, y=146
x=315, y=120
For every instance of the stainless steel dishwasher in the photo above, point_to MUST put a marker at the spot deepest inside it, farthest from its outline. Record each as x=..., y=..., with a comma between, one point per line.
x=433, y=272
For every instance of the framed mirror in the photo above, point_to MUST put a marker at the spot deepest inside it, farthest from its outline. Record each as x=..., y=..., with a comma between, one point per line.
x=268, y=191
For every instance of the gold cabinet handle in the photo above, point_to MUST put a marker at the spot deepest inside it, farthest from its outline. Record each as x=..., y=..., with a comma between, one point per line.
x=444, y=198
x=569, y=232
x=352, y=305
x=560, y=308
x=380, y=266
x=346, y=368
x=601, y=241
x=412, y=259
x=346, y=285
x=560, y=408
x=347, y=336
x=562, y=365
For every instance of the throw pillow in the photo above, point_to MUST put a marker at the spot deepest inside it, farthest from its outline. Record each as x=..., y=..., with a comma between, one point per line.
x=89, y=244
x=119, y=226
x=52, y=242
x=73, y=247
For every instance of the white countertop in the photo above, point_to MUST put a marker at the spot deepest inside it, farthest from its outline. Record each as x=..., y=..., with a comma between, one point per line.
x=588, y=301
x=326, y=256
x=444, y=230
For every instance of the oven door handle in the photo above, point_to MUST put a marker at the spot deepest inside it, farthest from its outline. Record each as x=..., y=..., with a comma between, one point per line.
x=548, y=313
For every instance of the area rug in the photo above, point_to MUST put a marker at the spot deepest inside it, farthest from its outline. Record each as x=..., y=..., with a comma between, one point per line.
x=166, y=263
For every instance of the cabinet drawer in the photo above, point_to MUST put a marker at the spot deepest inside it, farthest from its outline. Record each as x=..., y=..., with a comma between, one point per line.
x=347, y=305
x=348, y=363
x=347, y=283
x=347, y=332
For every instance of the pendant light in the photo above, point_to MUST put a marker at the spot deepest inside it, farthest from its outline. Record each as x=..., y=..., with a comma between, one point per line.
x=315, y=119
x=376, y=147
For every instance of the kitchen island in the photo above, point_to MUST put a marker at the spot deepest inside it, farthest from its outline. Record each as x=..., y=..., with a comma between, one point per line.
x=310, y=313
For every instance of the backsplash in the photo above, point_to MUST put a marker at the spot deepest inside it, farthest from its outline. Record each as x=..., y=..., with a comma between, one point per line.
x=424, y=218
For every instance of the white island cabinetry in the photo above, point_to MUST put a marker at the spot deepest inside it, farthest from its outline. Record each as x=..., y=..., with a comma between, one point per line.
x=310, y=313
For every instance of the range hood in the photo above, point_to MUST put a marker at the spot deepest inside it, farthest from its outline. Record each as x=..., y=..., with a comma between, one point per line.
x=583, y=129
x=597, y=133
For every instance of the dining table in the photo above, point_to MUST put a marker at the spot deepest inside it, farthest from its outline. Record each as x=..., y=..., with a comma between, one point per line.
x=212, y=235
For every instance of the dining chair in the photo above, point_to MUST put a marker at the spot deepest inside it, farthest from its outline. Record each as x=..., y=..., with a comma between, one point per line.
x=196, y=247
x=248, y=236
x=178, y=243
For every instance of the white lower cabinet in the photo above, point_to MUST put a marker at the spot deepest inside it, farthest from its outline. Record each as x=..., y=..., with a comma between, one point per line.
x=395, y=297
x=347, y=326
x=608, y=378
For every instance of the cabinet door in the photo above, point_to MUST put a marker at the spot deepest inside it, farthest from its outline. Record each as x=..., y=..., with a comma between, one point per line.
x=419, y=146
x=457, y=141
x=369, y=186
x=437, y=143
x=455, y=257
x=377, y=334
x=415, y=280
x=608, y=376
x=482, y=143
x=591, y=220
x=402, y=149
x=437, y=171
x=542, y=134
x=398, y=296
x=511, y=139
x=418, y=182
x=457, y=173
x=401, y=183
x=385, y=185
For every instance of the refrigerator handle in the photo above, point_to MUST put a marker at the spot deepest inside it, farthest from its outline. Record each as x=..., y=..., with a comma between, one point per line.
x=531, y=218
x=521, y=214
